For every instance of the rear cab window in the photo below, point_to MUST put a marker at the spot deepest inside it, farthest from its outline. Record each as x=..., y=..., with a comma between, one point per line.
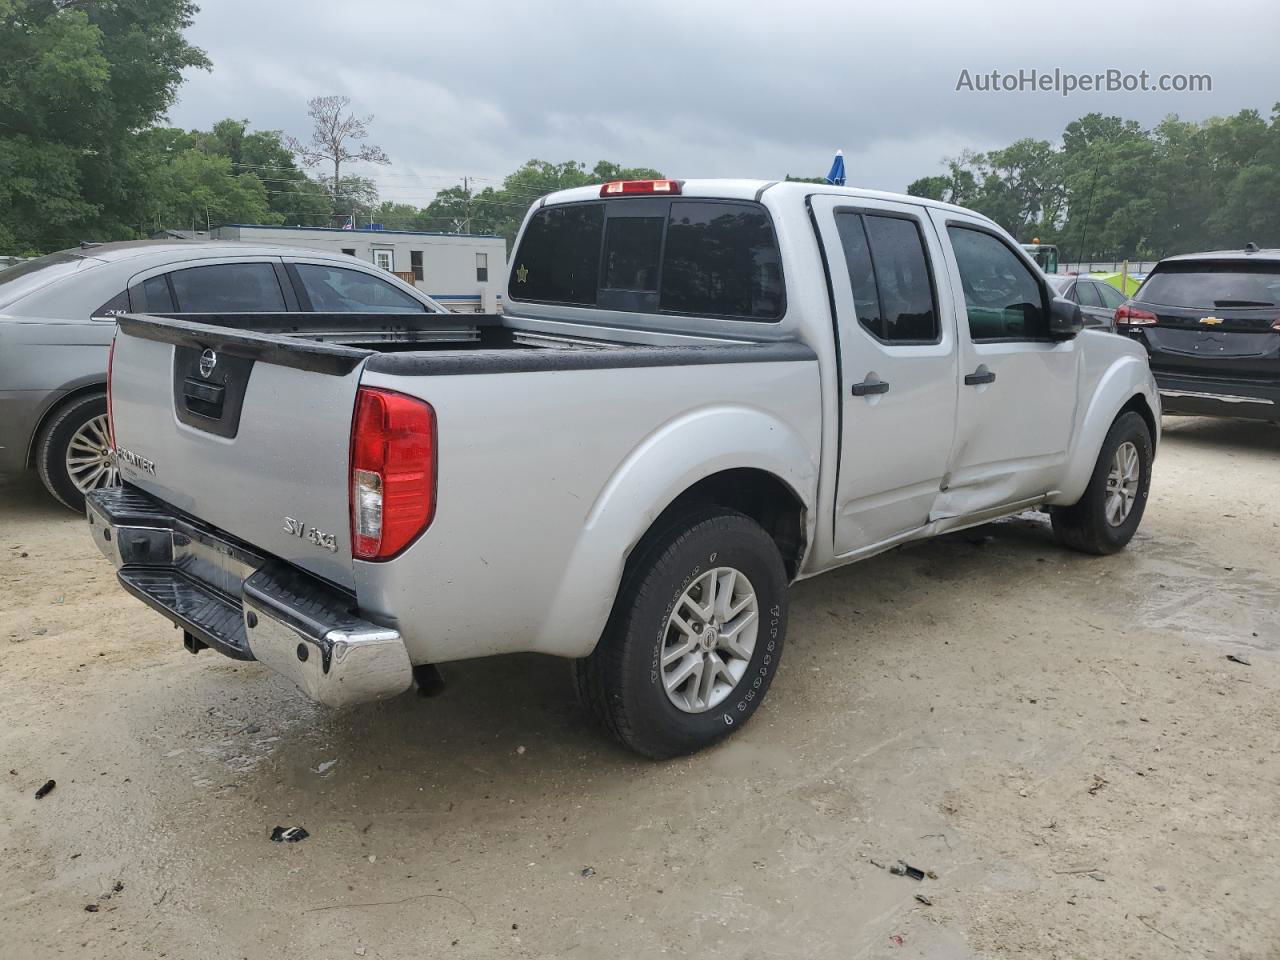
x=706, y=257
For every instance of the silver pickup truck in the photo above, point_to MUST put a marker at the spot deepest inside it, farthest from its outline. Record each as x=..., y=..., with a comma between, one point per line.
x=703, y=391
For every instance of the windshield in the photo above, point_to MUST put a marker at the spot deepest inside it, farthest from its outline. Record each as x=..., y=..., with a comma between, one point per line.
x=18, y=281
x=1207, y=285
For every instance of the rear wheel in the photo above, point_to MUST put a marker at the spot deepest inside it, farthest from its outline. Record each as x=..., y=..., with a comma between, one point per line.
x=73, y=452
x=694, y=638
x=1107, y=516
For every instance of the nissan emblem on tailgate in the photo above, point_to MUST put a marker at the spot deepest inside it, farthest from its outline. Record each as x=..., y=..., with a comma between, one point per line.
x=208, y=360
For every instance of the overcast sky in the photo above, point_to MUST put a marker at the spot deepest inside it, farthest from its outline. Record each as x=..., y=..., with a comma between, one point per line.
x=704, y=87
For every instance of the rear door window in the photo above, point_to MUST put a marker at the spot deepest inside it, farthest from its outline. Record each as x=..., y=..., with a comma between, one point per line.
x=1087, y=294
x=1111, y=297
x=559, y=256
x=339, y=290
x=227, y=288
x=156, y=296
x=889, y=272
x=862, y=276
x=1207, y=285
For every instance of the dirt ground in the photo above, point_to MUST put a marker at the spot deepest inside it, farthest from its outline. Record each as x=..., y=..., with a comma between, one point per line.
x=1061, y=739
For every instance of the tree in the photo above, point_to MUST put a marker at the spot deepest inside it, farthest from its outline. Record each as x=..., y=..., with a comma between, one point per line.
x=932, y=188
x=335, y=138
x=78, y=82
x=195, y=189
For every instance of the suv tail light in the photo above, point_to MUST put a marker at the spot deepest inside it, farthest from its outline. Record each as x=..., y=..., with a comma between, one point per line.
x=111, y=420
x=621, y=188
x=1131, y=316
x=393, y=472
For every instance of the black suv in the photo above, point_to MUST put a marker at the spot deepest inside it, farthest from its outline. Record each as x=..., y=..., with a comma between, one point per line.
x=1211, y=326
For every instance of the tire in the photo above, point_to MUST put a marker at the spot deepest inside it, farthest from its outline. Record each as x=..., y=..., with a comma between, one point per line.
x=623, y=683
x=1089, y=525
x=75, y=421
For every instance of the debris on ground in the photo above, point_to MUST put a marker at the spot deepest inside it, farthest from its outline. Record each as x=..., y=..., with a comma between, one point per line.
x=45, y=790
x=90, y=908
x=588, y=871
x=324, y=767
x=1240, y=659
x=898, y=940
x=1098, y=783
x=904, y=869
x=288, y=835
x=920, y=897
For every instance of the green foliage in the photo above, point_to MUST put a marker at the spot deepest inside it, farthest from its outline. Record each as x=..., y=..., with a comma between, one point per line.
x=1114, y=189
x=197, y=189
x=459, y=209
x=78, y=82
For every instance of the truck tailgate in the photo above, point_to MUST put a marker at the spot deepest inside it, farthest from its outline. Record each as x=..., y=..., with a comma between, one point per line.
x=247, y=432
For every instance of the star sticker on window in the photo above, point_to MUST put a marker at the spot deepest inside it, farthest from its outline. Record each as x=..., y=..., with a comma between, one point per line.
x=522, y=273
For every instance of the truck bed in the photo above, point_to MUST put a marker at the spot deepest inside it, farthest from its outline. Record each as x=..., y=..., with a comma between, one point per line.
x=262, y=441
x=418, y=345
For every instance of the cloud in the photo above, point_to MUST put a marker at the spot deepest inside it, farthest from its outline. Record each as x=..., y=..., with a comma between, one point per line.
x=706, y=87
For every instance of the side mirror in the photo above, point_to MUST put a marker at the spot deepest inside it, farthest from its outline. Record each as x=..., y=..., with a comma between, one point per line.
x=1065, y=319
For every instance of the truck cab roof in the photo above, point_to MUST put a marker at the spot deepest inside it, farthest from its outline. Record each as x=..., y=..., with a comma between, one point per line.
x=739, y=189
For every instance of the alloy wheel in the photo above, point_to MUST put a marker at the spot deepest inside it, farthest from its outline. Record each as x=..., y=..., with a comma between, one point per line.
x=91, y=464
x=1123, y=481
x=709, y=639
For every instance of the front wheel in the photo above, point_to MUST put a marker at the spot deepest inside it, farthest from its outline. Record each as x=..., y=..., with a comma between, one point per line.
x=1107, y=516
x=73, y=452
x=694, y=638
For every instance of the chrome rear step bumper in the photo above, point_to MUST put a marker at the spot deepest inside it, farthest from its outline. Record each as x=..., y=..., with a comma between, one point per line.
x=244, y=604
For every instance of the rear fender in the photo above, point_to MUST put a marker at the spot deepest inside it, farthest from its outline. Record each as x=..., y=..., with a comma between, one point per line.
x=1126, y=378
x=668, y=462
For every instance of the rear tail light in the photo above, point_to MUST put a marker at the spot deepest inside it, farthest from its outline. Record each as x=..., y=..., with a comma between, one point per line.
x=1276, y=325
x=623, y=188
x=111, y=420
x=393, y=472
x=1131, y=316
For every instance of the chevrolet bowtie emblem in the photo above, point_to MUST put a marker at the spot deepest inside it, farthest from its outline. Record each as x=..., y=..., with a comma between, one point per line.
x=1212, y=321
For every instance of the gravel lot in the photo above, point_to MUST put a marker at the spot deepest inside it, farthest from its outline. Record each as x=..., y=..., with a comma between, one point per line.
x=1061, y=739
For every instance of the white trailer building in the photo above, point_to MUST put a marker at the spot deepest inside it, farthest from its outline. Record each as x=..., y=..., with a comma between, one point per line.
x=465, y=272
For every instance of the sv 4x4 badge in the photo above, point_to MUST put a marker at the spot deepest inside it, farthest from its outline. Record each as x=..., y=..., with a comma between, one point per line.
x=296, y=528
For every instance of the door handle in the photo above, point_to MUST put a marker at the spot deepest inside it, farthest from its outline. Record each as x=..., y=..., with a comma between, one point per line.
x=980, y=376
x=868, y=387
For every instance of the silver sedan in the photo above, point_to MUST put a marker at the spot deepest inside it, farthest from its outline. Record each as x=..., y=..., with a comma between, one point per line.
x=57, y=319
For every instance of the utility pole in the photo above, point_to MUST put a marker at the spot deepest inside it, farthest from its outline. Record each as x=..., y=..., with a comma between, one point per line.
x=466, y=190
